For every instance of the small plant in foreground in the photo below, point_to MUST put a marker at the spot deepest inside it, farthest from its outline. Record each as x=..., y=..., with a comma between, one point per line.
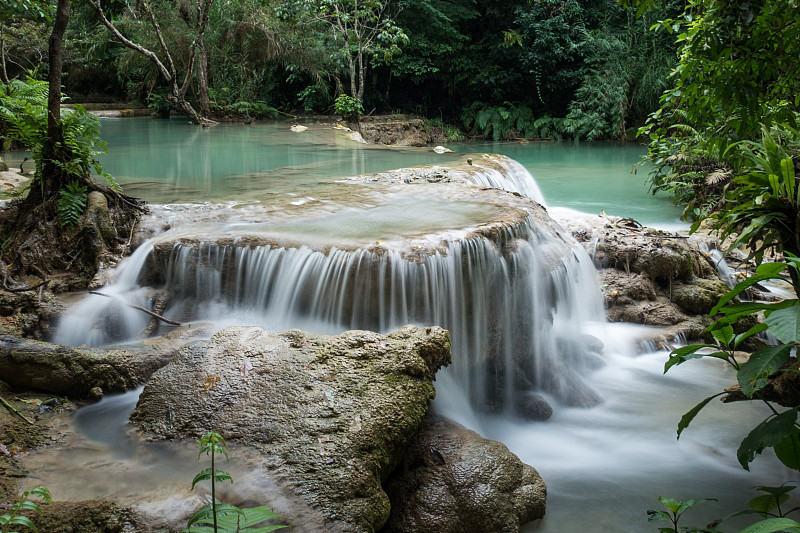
x=221, y=518
x=676, y=509
x=13, y=518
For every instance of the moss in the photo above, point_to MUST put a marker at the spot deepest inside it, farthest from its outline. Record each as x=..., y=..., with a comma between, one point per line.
x=93, y=516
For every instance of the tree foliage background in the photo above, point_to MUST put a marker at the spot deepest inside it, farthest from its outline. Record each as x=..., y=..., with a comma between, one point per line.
x=504, y=68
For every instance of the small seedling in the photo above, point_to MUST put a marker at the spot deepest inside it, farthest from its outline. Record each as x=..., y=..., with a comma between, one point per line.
x=12, y=519
x=218, y=517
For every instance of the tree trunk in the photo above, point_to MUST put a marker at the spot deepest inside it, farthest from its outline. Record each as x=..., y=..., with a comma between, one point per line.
x=53, y=174
x=352, y=64
x=202, y=81
x=3, y=71
x=361, y=74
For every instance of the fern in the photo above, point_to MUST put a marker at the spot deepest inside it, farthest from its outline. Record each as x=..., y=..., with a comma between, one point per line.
x=71, y=203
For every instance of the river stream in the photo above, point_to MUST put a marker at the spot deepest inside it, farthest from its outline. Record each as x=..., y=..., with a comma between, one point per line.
x=604, y=465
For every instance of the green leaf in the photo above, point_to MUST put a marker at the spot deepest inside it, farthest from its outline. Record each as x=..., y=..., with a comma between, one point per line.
x=766, y=502
x=752, y=375
x=765, y=435
x=784, y=324
x=773, y=525
x=22, y=521
x=758, y=328
x=764, y=271
x=654, y=515
x=248, y=518
x=788, y=451
x=205, y=475
x=685, y=353
x=689, y=416
x=723, y=332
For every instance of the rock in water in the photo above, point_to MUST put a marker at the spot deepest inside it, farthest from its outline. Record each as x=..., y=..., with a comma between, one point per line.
x=478, y=485
x=330, y=413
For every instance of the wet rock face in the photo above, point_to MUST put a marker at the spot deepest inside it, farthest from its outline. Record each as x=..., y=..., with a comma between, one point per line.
x=330, y=413
x=650, y=277
x=453, y=480
x=408, y=132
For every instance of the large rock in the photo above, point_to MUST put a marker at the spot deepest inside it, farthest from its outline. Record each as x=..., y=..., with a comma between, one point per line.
x=453, y=480
x=331, y=413
x=396, y=131
x=649, y=276
x=80, y=372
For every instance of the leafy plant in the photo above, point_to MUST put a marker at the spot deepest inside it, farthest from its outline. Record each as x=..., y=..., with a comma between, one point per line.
x=736, y=72
x=779, y=430
x=71, y=203
x=762, y=203
x=500, y=122
x=347, y=106
x=767, y=505
x=23, y=118
x=12, y=518
x=216, y=517
x=675, y=508
x=159, y=105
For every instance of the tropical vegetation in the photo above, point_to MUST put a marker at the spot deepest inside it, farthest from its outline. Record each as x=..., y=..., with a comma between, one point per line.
x=513, y=68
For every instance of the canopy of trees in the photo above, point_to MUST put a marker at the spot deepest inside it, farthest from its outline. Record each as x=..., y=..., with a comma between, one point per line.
x=550, y=68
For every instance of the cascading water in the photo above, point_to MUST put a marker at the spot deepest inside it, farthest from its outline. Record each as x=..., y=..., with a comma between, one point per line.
x=511, y=176
x=514, y=303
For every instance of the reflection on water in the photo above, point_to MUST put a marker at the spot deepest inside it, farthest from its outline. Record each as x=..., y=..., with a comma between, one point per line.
x=591, y=177
x=101, y=456
x=168, y=161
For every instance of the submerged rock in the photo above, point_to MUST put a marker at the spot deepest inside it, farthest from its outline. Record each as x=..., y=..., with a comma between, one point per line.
x=330, y=413
x=452, y=480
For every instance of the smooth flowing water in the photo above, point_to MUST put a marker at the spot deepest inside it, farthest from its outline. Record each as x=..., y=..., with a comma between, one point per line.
x=522, y=295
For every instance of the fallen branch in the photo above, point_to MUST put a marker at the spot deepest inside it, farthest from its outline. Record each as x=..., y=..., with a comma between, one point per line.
x=13, y=410
x=142, y=309
x=33, y=288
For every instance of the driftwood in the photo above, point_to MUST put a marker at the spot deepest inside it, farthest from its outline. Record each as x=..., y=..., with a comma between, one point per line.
x=142, y=309
x=13, y=410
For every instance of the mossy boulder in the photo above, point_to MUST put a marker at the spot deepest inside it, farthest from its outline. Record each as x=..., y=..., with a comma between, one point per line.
x=330, y=413
x=700, y=295
x=453, y=480
x=75, y=371
x=95, y=516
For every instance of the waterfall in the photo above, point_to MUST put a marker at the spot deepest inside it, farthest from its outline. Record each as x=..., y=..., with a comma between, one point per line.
x=511, y=176
x=515, y=303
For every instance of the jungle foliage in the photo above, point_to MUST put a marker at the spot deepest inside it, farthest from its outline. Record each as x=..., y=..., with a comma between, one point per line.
x=735, y=90
x=540, y=68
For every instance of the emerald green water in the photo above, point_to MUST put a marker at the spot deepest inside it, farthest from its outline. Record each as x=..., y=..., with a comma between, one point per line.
x=171, y=161
x=590, y=177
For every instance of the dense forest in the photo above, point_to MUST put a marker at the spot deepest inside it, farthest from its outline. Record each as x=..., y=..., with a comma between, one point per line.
x=513, y=68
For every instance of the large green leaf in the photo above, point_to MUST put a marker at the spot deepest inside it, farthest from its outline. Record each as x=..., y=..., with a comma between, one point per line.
x=764, y=271
x=752, y=375
x=788, y=451
x=784, y=324
x=689, y=416
x=685, y=353
x=765, y=435
x=249, y=518
x=773, y=525
x=766, y=502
